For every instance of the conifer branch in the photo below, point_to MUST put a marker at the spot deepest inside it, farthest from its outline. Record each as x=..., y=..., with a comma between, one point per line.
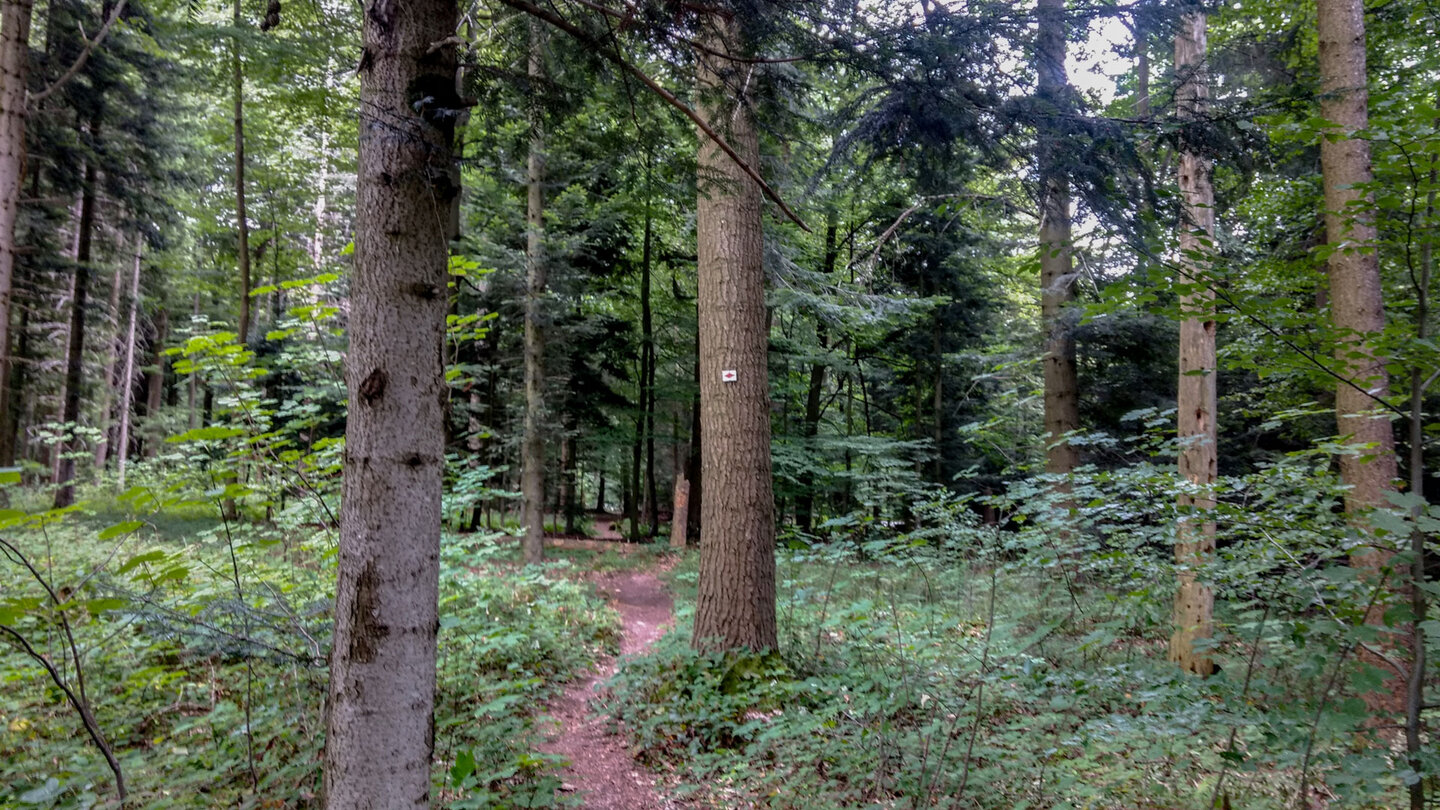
x=670, y=98
x=90, y=46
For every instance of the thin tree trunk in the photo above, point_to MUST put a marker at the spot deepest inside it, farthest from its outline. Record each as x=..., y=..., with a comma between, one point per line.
x=735, y=604
x=242, y=224
x=75, y=351
x=14, y=72
x=112, y=371
x=1057, y=277
x=647, y=362
x=155, y=384
x=532, y=462
x=1419, y=604
x=381, y=731
x=569, y=505
x=127, y=377
x=1197, y=397
x=193, y=420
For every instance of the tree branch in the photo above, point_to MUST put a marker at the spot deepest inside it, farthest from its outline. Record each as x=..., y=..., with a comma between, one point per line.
x=84, y=56
x=669, y=98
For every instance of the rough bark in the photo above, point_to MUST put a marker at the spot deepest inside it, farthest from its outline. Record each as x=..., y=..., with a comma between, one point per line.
x=532, y=462
x=242, y=224
x=75, y=351
x=735, y=605
x=381, y=732
x=14, y=73
x=1057, y=277
x=1357, y=308
x=1196, y=400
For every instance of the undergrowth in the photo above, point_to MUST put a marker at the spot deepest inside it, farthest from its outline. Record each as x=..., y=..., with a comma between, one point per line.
x=203, y=650
x=969, y=666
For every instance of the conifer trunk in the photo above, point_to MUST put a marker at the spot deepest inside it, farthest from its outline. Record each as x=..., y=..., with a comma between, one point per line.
x=1197, y=394
x=242, y=224
x=647, y=362
x=381, y=731
x=14, y=73
x=75, y=351
x=532, y=462
x=1057, y=277
x=1357, y=308
x=112, y=371
x=127, y=376
x=735, y=605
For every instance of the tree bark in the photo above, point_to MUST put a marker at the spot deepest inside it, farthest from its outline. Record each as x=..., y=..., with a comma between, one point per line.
x=75, y=351
x=1057, y=277
x=155, y=384
x=112, y=372
x=1196, y=401
x=127, y=376
x=1357, y=308
x=647, y=362
x=14, y=74
x=532, y=462
x=735, y=605
x=242, y=224
x=381, y=730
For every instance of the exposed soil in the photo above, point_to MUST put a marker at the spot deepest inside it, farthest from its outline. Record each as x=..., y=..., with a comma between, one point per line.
x=601, y=769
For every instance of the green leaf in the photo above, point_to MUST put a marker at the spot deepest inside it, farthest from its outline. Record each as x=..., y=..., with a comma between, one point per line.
x=211, y=433
x=43, y=794
x=141, y=559
x=124, y=527
x=464, y=766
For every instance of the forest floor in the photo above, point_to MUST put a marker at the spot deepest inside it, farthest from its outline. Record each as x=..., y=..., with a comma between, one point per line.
x=602, y=770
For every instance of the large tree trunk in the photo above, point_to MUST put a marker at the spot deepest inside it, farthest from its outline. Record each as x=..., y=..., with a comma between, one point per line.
x=532, y=461
x=75, y=351
x=735, y=605
x=380, y=737
x=1057, y=277
x=1357, y=308
x=242, y=224
x=1196, y=400
x=14, y=73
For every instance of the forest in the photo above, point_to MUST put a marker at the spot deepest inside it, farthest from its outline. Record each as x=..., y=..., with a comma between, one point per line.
x=649, y=404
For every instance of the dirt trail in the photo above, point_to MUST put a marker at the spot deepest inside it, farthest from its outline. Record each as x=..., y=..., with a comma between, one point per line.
x=601, y=768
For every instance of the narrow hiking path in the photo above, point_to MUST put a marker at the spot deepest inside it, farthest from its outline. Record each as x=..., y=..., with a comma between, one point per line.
x=601, y=769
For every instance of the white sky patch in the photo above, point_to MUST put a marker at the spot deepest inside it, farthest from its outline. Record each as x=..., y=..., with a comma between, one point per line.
x=1096, y=66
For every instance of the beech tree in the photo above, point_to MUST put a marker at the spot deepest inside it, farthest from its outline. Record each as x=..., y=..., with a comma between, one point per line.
x=380, y=731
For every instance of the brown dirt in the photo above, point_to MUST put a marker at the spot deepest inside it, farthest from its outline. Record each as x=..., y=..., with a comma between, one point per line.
x=602, y=770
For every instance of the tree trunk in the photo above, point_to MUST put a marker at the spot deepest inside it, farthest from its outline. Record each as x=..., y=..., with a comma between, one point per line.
x=14, y=73
x=1357, y=308
x=1196, y=401
x=735, y=604
x=569, y=505
x=127, y=376
x=1057, y=277
x=532, y=462
x=805, y=500
x=647, y=362
x=75, y=351
x=155, y=384
x=381, y=731
x=112, y=373
x=242, y=224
